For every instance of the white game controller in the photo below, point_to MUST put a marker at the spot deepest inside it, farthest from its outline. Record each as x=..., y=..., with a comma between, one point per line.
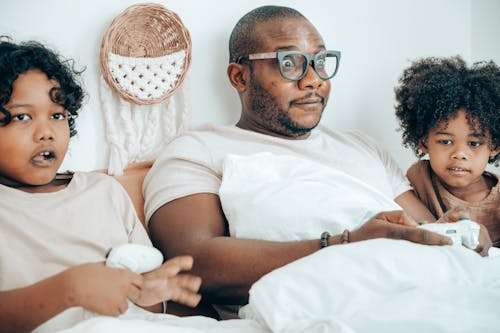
x=464, y=232
x=135, y=257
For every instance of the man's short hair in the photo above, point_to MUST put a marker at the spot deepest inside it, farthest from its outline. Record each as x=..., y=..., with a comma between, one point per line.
x=243, y=40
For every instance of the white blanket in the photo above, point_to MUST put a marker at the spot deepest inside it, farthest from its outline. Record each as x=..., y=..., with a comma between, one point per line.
x=137, y=320
x=373, y=286
x=381, y=286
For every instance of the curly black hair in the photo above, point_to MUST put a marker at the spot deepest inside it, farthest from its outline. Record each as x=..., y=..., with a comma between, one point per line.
x=432, y=90
x=16, y=59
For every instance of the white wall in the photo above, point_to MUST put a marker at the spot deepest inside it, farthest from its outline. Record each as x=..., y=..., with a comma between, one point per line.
x=485, y=32
x=378, y=39
x=485, y=35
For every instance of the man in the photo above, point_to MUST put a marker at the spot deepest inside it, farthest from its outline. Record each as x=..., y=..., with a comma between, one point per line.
x=281, y=69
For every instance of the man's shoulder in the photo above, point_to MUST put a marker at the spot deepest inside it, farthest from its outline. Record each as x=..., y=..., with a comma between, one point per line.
x=203, y=133
x=353, y=139
x=209, y=129
x=345, y=135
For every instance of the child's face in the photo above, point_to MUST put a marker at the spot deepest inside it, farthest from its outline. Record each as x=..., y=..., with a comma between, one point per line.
x=458, y=155
x=34, y=143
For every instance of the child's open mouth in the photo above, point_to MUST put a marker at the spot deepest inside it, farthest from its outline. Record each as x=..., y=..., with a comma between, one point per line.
x=44, y=157
x=458, y=170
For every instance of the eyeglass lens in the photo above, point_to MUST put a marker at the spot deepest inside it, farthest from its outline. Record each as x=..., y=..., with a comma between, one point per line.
x=295, y=65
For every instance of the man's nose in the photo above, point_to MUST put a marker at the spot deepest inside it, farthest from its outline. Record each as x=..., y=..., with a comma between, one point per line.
x=311, y=79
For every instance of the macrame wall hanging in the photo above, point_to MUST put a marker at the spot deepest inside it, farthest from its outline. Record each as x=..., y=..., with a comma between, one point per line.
x=144, y=57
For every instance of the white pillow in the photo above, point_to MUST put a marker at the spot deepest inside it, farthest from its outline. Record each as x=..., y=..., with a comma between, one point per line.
x=285, y=198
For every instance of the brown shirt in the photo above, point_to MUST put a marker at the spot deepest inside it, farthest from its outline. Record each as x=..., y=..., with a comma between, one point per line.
x=438, y=199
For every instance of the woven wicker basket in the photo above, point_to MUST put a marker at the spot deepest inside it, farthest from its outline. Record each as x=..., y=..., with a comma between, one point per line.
x=145, y=32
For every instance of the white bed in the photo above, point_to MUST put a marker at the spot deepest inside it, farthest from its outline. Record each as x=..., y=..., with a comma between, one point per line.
x=137, y=320
x=372, y=286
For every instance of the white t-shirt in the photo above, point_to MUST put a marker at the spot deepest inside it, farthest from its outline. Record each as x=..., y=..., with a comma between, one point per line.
x=42, y=234
x=193, y=162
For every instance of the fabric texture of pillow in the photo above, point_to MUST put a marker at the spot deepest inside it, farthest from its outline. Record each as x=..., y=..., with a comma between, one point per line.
x=286, y=198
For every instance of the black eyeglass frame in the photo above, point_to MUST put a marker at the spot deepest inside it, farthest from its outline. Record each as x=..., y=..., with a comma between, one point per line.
x=280, y=55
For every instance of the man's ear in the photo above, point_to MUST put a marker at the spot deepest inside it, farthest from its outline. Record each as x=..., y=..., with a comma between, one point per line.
x=422, y=145
x=238, y=76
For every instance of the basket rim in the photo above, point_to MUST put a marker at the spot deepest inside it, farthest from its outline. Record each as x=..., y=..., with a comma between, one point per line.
x=144, y=15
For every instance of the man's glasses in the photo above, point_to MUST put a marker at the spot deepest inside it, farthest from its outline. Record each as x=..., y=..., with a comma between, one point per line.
x=294, y=64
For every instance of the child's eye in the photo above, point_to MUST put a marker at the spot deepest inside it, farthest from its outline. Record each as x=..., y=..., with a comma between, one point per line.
x=21, y=117
x=445, y=142
x=59, y=116
x=475, y=143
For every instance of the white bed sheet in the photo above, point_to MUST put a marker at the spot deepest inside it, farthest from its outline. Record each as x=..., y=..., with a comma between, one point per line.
x=381, y=286
x=137, y=320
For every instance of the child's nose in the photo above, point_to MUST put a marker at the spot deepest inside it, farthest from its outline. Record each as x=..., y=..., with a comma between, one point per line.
x=461, y=152
x=44, y=132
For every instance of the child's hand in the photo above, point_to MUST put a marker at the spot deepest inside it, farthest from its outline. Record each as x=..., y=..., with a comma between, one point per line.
x=100, y=289
x=454, y=215
x=457, y=213
x=165, y=284
x=484, y=241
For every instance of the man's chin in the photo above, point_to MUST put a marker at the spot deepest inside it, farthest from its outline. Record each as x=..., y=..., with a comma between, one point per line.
x=297, y=131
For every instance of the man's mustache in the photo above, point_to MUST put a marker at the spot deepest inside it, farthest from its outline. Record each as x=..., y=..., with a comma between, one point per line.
x=311, y=97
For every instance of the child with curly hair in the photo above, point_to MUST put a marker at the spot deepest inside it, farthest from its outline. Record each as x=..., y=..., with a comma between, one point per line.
x=55, y=229
x=452, y=113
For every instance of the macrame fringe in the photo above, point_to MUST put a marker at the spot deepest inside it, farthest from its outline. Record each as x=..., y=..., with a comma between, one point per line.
x=137, y=133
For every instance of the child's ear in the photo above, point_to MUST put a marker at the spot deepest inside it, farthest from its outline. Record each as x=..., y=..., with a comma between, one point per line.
x=422, y=145
x=494, y=152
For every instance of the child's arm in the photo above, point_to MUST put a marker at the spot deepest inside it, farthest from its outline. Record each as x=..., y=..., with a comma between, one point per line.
x=414, y=207
x=165, y=283
x=93, y=286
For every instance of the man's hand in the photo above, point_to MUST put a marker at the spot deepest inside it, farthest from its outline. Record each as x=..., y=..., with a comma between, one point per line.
x=165, y=283
x=457, y=213
x=397, y=225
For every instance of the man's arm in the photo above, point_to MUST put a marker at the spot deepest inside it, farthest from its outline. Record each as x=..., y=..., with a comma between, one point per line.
x=195, y=225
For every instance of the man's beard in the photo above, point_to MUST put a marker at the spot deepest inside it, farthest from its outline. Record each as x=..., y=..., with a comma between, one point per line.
x=275, y=119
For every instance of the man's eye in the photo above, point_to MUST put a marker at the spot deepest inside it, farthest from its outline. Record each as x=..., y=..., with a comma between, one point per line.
x=320, y=62
x=21, y=117
x=288, y=63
